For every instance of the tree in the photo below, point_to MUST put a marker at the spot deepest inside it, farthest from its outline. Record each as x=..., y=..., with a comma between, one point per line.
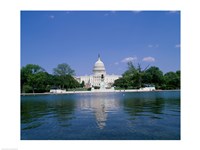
x=41, y=82
x=134, y=75
x=82, y=84
x=32, y=76
x=28, y=70
x=178, y=73
x=129, y=75
x=70, y=82
x=154, y=76
x=64, y=78
x=172, y=80
x=121, y=82
x=132, y=78
x=63, y=69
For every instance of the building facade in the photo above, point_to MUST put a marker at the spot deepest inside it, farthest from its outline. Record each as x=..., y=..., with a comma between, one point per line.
x=99, y=74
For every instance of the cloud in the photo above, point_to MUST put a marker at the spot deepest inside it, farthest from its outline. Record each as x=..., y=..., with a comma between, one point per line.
x=150, y=46
x=173, y=12
x=128, y=59
x=137, y=11
x=110, y=13
x=116, y=63
x=113, y=12
x=177, y=46
x=52, y=16
x=153, y=45
x=148, y=59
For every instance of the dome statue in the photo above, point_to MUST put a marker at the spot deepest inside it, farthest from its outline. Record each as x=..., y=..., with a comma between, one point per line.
x=99, y=67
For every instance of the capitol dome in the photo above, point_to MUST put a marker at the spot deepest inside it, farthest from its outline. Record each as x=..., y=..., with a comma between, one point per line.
x=99, y=68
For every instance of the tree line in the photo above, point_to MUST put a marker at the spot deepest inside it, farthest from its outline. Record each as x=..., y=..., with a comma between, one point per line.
x=34, y=79
x=135, y=77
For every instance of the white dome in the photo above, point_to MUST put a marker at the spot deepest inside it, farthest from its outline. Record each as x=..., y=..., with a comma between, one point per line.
x=99, y=68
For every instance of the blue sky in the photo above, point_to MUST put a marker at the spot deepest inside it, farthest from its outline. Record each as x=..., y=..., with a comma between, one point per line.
x=49, y=38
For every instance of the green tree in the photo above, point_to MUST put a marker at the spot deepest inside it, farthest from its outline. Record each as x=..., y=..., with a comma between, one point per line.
x=121, y=82
x=153, y=76
x=28, y=70
x=70, y=82
x=134, y=75
x=63, y=74
x=63, y=69
x=178, y=73
x=41, y=82
x=172, y=80
x=82, y=84
x=132, y=78
x=32, y=76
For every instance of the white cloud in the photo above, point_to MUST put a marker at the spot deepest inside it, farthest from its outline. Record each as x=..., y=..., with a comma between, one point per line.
x=52, y=16
x=116, y=63
x=127, y=59
x=173, y=12
x=150, y=46
x=137, y=11
x=177, y=46
x=110, y=13
x=148, y=59
x=153, y=45
x=113, y=12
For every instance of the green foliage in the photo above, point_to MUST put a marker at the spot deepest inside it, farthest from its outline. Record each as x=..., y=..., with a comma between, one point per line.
x=135, y=77
x=82, y=84
x=153, y=76
x=122, y=83
x=63, y=69
x=34, y=79
x=26, y=89
x=64, y=79
x=96, y=87
x=70, y=82
x=172, y=80
x=89, y=89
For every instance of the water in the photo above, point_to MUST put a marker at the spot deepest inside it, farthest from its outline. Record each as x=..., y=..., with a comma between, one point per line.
x=101, y=116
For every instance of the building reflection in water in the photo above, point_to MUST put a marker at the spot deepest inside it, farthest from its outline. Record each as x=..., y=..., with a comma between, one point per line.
x=101, y=105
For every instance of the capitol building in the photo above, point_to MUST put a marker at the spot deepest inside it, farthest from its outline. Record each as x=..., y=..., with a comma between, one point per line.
x=99, y=77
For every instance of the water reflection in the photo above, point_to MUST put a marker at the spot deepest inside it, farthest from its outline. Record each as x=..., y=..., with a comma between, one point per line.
x=137, y=106
x=31, y=112
x=145, y=115
x=101, y=105
x=150, y=104
x=38, y=110
x=63, y=110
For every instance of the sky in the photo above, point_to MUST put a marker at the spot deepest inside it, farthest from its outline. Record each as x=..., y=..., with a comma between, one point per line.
x=49, y=38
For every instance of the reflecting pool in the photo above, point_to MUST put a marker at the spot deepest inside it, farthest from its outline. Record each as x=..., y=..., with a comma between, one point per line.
x=101, y=116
